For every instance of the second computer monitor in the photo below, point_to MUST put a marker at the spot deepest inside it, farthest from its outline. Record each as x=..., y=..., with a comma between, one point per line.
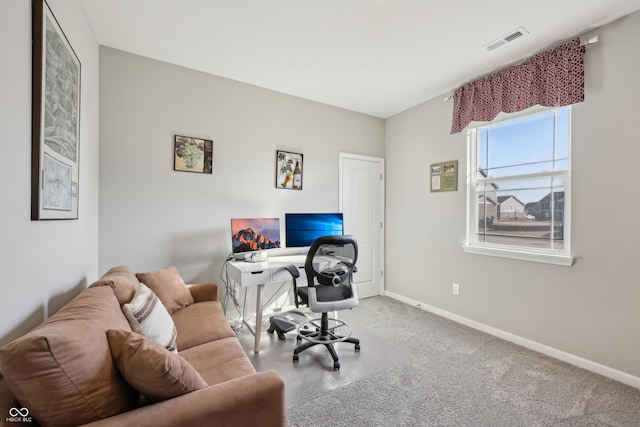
x=302, y=229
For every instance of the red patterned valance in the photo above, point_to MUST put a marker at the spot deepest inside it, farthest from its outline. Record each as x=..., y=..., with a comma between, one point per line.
x=552, y=78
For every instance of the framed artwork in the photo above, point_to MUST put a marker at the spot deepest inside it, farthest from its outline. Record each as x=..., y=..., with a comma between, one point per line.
x=193, y=155
x=444, y=176
x=288, y=170
x=55, y=127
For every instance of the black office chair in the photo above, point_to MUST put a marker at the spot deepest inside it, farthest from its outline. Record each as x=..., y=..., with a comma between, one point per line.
x=329, y=267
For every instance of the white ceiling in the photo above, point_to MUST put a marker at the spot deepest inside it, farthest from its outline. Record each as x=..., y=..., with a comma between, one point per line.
x=378, y=57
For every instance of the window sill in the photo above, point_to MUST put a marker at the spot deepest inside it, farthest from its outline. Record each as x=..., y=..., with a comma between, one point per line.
x=556, y=259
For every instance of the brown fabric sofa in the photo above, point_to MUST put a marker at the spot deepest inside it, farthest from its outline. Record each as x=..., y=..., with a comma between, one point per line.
x=64, y=374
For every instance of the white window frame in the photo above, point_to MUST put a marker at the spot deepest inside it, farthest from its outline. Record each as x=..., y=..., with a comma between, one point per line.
x=472, y=245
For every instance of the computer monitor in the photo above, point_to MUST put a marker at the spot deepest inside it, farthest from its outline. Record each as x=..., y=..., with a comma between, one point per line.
x=302, y=229
x=254, y=234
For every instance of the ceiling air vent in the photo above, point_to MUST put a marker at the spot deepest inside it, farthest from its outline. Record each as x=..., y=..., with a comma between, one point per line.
x=515, y=34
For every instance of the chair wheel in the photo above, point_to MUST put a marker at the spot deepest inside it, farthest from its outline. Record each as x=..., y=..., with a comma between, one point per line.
x=298, y=339
x=295, y=358
x=336, y=366
x=357, y=347
x=281, y=336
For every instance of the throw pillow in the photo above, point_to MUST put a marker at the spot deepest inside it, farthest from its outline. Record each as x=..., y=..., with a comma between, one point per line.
x=123, y=282
x=62, y=370
x=147, y=316
x=149, y=368
x=169, y=287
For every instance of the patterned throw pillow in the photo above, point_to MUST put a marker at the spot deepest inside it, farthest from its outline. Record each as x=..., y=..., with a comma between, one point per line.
x=148, y=316
x=150, y=369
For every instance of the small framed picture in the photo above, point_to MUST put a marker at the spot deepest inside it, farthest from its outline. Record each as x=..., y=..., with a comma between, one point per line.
x=444, y=176
x=288, y=170
x=193, y=155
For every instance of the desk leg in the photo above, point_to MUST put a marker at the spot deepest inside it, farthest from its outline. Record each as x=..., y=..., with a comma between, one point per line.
x=244, y=306
x=258, y=329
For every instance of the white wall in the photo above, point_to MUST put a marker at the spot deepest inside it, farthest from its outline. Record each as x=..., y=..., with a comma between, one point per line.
x=589, y=310
x=152, y=216
x=43, y=263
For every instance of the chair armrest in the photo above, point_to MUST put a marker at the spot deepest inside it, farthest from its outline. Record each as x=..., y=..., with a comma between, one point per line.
x=204, y=292
x=250, y=400
x=295, y=274
x=293, y=270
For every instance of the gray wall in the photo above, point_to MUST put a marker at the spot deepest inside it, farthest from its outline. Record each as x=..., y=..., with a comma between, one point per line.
x=43, y=263
x=589, y=310
x=152, y=216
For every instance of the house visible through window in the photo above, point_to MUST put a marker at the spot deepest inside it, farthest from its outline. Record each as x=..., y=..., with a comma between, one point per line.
x=518, y=193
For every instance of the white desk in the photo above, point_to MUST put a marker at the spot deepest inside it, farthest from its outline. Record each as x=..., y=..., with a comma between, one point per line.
x=258, y=274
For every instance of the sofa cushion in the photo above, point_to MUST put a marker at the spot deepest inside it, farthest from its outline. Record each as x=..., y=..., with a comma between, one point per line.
x=155, y=372
x=203, y=292
x=220, y=360
x=123, y=282
x=63, y=371
x=148, y=316
x=211, y=321
x=169, y=287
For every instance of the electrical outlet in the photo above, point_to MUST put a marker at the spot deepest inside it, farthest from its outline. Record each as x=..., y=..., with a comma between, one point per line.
x=456, y=289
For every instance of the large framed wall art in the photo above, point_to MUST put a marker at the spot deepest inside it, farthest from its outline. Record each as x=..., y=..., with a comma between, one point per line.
x=55, y=134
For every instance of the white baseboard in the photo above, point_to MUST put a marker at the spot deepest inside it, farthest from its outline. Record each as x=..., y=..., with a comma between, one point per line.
x=589, y=365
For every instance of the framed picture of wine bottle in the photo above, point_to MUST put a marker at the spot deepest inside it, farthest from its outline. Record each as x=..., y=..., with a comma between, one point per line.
x=288, y=170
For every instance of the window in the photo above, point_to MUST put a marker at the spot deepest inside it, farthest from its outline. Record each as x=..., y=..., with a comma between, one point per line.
x=518, y=192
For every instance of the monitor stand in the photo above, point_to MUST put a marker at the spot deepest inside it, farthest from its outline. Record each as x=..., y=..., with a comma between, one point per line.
x=256, y=257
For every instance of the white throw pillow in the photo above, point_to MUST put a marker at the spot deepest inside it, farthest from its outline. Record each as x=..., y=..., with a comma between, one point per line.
x=147, y=316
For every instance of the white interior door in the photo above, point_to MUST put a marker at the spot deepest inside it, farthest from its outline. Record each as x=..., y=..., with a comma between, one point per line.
x=362, y=205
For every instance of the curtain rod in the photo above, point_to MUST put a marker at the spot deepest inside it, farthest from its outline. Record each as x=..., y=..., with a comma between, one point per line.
x=593, y=40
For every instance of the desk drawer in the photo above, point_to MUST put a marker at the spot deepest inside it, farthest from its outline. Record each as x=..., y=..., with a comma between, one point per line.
x=256, y=277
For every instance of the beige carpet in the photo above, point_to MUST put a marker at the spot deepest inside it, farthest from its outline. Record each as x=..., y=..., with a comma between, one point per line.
x=419, y=369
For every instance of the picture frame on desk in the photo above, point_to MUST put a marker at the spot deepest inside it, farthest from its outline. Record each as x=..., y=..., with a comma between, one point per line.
x=289, y=170
x=55, y=126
